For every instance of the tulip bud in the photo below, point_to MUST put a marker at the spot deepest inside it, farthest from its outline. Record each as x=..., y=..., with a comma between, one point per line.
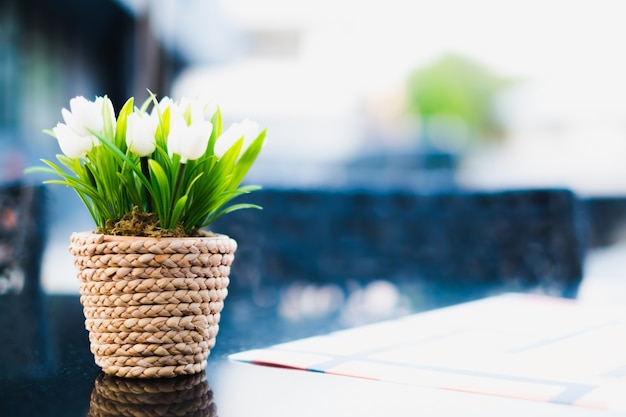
x=247, y=129
x=72, y=144
x=84, y=116
x=189, y=132
x=140, y=133
x=190, y=142
x=163, y=104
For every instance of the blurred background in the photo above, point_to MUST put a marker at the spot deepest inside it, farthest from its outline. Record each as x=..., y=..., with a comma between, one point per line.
x=396, y=94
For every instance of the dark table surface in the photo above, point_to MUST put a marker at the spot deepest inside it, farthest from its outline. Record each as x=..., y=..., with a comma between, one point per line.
x=49, y=370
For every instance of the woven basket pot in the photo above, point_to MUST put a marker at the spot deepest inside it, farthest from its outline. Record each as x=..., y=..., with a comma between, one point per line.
x=152, y=305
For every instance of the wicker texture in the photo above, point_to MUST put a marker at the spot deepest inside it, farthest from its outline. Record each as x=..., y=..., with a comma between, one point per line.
x=152, y=306
x=183, y=396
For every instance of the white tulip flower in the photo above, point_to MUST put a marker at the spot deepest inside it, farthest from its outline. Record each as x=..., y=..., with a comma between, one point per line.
x=247, y=129
x=189, y=132
x=161, y=106
x=140, y=131
x=72, y=144
x=85, y=115
x=198, y=108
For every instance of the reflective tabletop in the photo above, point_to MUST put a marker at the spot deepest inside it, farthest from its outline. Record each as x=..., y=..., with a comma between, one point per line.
x=49, y=370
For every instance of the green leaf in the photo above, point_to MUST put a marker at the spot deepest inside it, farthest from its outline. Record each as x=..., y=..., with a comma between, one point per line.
x=120, y=130
x=163, y=129
x=247, y=159
x=230, y=209
x=107, y=116
x=119, y=155
x=151, y=99
x=161, y=191
x=216, y=120
x=178, y=209
x=132, y=190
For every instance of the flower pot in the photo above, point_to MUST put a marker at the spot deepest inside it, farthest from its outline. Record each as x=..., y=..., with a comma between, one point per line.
x=152, y=305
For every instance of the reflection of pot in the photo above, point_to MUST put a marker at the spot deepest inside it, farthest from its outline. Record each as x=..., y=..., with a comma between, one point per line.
x=179, y=396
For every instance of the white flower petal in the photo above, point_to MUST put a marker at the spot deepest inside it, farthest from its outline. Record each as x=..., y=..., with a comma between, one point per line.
x=161, y=106
x=107, y=114
x=251, y=130
x=85, y=115
x=247, y=129
x=140, y=131
x=190, y=142
x=71, y=144
x=189, y=132
x=195, y=144
x=176, y=133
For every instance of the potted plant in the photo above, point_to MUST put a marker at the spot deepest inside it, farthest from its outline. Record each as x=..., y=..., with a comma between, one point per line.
x=152, y=278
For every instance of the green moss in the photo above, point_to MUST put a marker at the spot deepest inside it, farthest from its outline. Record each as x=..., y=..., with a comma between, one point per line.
x=137, y=223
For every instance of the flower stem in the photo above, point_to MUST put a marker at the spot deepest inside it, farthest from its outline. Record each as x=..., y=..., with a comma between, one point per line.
x=146, y=172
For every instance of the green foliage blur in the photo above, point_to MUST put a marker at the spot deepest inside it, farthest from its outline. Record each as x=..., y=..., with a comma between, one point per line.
x=458, y=87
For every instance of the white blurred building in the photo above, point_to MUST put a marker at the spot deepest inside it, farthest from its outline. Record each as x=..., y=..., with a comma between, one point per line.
x=327, y=77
